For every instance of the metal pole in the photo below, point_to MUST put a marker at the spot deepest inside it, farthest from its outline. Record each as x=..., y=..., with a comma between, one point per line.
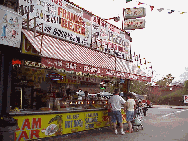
x=41, y=39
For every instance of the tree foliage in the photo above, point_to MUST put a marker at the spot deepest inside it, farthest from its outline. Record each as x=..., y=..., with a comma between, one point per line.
x=138, y=87
x=165, y=81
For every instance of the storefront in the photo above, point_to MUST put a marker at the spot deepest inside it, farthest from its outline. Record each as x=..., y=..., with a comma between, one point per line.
x=77, y=53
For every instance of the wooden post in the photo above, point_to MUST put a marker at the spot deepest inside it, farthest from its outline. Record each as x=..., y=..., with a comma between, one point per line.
x=28, y=21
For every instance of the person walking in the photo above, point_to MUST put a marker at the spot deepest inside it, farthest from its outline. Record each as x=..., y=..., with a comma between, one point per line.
x=115, y=103
x=130, y=106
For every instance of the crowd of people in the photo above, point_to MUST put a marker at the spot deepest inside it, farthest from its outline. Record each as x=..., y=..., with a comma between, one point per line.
x=130, y=105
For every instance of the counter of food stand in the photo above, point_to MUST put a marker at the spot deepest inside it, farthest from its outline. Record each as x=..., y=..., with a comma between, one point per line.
x=64, y=120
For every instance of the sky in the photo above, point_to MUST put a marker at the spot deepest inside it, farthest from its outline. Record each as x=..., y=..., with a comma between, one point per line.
x=163, y=41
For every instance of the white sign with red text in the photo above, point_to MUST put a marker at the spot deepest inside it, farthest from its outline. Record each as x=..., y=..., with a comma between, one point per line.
x=185, y=98
x=60, y=19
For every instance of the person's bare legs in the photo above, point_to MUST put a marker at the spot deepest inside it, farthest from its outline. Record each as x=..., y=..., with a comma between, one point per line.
x=110, y=121
x=121, y=126
x=114, y=126
x=130, y=126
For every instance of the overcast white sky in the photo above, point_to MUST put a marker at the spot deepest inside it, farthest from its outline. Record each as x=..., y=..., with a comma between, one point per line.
x=164, y=40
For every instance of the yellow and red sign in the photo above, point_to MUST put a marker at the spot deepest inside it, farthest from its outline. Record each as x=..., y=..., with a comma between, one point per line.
x=41, y=126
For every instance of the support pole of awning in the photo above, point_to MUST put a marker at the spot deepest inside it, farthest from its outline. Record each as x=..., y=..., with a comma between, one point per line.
x=42, y=33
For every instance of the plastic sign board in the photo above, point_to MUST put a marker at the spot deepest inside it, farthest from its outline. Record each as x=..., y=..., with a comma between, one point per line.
x=133, y=13
x=185, y=98
x=11, y=24
x=132, y=24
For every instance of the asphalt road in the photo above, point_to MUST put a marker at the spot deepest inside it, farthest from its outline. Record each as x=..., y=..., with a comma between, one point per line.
x=162, y=123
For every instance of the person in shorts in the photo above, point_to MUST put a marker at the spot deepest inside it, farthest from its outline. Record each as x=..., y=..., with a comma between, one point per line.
x=130, y=105
x=116, y=101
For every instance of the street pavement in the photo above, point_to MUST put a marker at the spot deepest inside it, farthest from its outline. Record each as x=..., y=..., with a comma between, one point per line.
x=162, y=123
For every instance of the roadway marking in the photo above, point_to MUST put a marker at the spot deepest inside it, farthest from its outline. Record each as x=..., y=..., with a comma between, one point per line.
x=173, y=113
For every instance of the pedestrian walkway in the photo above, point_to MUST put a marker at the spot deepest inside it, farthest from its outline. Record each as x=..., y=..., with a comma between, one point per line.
x=170, y=106
x=179, y=107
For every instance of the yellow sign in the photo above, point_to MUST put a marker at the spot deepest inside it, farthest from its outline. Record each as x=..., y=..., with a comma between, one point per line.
x=93, y=120
x=41, y=126
x=73, y=122
x=27, y=48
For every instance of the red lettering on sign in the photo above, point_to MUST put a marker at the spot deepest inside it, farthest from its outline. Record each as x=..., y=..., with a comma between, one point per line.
x=26, y=124
x=35, y=133
x=14, y=62
x=36, y=123
x=23, y=134
x=59, y=10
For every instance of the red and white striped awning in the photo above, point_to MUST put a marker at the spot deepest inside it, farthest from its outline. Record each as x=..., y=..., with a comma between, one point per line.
x=59, y=53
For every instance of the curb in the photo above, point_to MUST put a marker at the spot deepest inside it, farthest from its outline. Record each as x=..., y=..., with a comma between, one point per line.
x=179, y=107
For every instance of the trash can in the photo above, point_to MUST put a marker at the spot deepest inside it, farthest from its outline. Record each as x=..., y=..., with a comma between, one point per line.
x=8, y=126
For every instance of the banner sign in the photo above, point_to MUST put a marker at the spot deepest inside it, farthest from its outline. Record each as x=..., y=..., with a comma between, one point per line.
x=11, y=24
x=60, y=19
x=133, y=13
x=109, y=39
x=41, y=126
x=185, y=98
x=132, y=24
x=82, y=70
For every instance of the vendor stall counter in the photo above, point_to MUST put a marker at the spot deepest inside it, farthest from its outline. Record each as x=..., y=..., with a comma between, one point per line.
x=70, y=117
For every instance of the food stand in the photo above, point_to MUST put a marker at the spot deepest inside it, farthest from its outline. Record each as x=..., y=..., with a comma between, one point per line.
x=67, y=117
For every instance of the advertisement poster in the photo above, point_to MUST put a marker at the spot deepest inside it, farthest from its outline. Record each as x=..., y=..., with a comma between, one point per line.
x=60, y=19
x=73, y=122
x=41, y=126
x=10, y=27
x=93, y=120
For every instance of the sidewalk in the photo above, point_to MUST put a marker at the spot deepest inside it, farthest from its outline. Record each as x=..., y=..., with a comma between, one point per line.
x=179, y=107
x=170, y=106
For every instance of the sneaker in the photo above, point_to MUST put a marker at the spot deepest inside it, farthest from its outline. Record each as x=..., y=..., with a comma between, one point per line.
x=116, y=132
x=123, y=133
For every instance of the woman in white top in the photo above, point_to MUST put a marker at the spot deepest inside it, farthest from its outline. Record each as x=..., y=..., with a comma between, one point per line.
x=130, y=104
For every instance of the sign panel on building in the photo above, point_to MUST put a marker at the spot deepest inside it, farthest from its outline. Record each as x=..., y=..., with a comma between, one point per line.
x=11, y=24
x=133, y=13
x=60, y=19
x=132, y=24
x=109, y=39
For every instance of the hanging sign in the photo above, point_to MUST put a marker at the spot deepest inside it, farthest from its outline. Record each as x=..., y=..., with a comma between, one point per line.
x=60, y=19
x=133, y=13
x=132, y=24
x=11, y=24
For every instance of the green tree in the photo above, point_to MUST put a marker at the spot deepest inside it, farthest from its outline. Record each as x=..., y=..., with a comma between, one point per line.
x=165, y=81
x=139, y=87
x=185, y=89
